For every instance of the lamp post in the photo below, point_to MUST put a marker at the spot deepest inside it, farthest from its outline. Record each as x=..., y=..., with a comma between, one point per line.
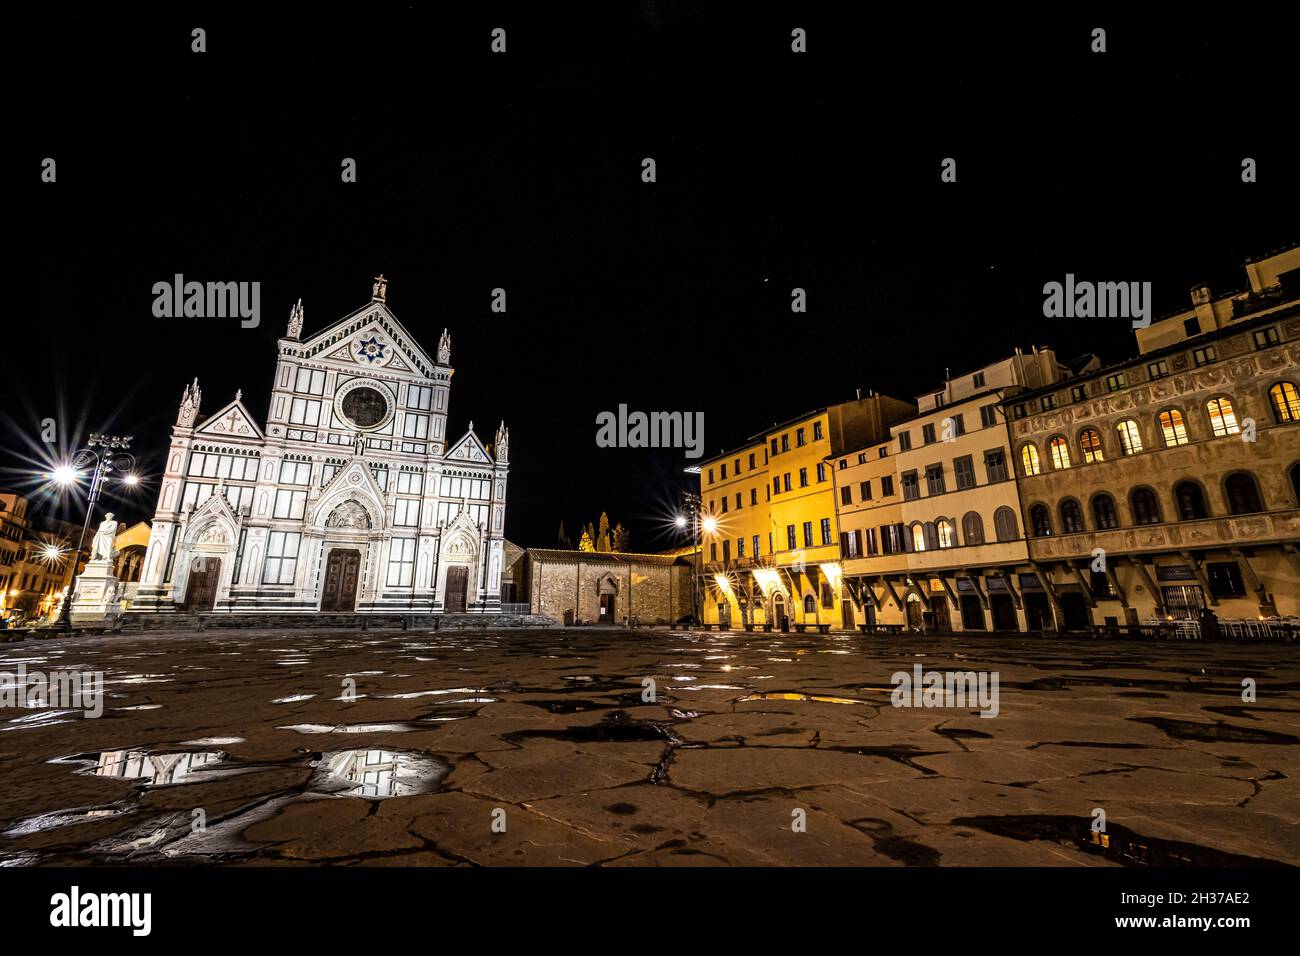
x=691, y=505
x=108, y=453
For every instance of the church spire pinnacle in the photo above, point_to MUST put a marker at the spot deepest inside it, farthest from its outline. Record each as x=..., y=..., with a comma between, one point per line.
x=295, y=321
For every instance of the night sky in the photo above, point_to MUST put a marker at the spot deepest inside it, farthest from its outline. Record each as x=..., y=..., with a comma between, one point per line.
x=523, y=171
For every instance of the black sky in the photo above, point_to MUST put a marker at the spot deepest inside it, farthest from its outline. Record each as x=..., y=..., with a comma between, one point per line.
x=522, y=171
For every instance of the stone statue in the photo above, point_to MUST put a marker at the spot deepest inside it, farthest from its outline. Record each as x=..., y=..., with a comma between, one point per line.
x=379, y=292
x=444, y=348
x=101, y=548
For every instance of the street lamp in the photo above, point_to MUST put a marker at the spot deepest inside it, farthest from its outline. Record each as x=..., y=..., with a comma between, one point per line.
x=691, y=502
x=107, y=453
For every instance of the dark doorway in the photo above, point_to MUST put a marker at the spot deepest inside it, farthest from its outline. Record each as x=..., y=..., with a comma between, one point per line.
x=724, y=615
x=972, y=613
x=201, y=590
x=1075, y=611
x=607, y=609
x=1183, y=602
x=915, y=614
x=1038, y=612
x=846, y=607
x=342, y=572
x=939, y=614
x=1004, y=612
x=778, y=614
x=457, y=589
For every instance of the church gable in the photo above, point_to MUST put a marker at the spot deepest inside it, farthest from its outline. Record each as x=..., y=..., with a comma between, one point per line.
x=370, y=338
x=232, y=421
x=353, y=480
x=470, y=449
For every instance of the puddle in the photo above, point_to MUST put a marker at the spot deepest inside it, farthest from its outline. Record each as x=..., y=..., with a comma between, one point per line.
x=1215, y=733
x=64, y=818
x=212, y=741
x=1118, y=843
x=349, y=728
x=787, y=695
x=292, y=699
x=618, y=727
x=377, y=774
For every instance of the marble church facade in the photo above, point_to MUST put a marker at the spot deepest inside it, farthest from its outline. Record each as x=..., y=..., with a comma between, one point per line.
x=349, y=498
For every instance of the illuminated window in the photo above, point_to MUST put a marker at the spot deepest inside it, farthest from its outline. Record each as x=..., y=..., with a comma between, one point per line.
x=918, y=537
x=1285, y=400
x=1090, y=441
x=1059, y=449
x=1029, y=460
x=1130, y=439
x=1223, y=420
x=947, y=533
x=1172, y=428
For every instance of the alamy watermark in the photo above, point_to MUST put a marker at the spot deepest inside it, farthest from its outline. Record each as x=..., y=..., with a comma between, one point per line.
x=923, y=688
x=1080, y=299
x=624, y=429
x=208, y=300
x=70, y=689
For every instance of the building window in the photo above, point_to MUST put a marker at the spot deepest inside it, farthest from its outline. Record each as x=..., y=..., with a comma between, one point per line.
x=1243, y=494
x=947, y=532
x=738, y=501
x=415, y=426
x=807, y=534
x=817, y=431
x=809, y=604
x=753, y=496
x=1225, y=579
x=846, y=496
x=281, y=557
x=1040, y=521
x=755, y=545
x=1103, y=512
x=934, y=480
x=1285, y=399
x=1130, y=438
x=295, y=472
x=826, y=531
x=406, y=513
x=1090, y=441
x=964, y=469
x=1172, y=428
x=957, y=426
x=989, y=415
x=724, y=504
x=927, y=433
x=995, y=465
x=1071, y=517
x=1265, y=338
x=785, y=479
x=972, y=528
x=862, y=458
x=803, y=477
x=1223, y=420
x=785, y=442
x=821, y=471
x=1191, y=326
x=887, y=486
x=1059, y=449
x=799, y=440
x=1049, y=402
x=751, y=461
x=1115, y=382
x=1146, y=509
x=722, y=472
x=401, y=563
x=1029, y=461
x=776, y=486
x=1005, y=525
x=911, y=487
x=1158, y=369
x=710, y=476
x=419, y=397
x=1018, y=411
x=904, y=441
x=774, y=451
x=977, y=380
x=304, y=411
x=310, y=380
x=918, y=537
x=290, y=504
x=864, y=490
x=713, y=551
x=737, y=467
x=1204, y=355
x=790, y=540
x=740, y=547
x=1078, y=393
x=1190, y=501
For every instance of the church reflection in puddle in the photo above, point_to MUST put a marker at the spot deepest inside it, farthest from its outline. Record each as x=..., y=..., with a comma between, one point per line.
x=154, y=769
x=377, y=774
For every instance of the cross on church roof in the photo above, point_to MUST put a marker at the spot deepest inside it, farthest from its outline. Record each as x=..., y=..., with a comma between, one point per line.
x=380, y=291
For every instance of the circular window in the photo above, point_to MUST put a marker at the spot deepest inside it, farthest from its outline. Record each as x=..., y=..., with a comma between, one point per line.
x=365, y=407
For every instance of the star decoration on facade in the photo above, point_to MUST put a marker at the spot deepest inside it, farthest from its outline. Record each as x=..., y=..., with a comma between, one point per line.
x=371, y=349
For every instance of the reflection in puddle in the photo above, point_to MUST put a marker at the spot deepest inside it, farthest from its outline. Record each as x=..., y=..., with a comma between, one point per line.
x=62, y=818
x=377, y=774
x=155, y=769
x=295, y=698
x=348, y=728
x=819, y=698
x=212, y=741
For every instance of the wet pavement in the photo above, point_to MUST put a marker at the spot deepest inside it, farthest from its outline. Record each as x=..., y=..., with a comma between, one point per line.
x=551, y=748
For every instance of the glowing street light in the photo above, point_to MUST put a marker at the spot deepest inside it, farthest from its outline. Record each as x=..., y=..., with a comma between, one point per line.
x=710, y=524
x=64, y=474
x=131, y=480
x=681, y=521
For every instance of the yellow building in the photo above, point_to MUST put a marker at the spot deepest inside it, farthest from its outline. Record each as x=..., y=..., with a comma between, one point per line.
x=770, y=538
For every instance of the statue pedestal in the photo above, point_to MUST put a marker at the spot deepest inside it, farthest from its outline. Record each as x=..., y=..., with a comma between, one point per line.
x=95, y=595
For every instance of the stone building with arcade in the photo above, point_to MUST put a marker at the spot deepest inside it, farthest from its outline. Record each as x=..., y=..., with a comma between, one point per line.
x=349, y=497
